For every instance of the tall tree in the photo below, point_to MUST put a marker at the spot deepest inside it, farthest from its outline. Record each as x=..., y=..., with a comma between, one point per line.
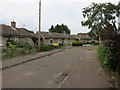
x=101, y=18
x=52, y=28
x=60, y=28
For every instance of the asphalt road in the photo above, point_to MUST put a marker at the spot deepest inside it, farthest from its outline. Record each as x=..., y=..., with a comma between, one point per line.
x=73, y=68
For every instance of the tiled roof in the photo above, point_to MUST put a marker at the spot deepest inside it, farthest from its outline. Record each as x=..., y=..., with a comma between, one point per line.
x=57, y=35
x=8, y=30
x=73, y=37
x=52, y=35
x=46, y=34
x=84, y=37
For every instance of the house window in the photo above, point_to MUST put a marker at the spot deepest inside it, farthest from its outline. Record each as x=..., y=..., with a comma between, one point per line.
x=16, y=39
x=28, y=39
x=59, y=41
x=51, y=41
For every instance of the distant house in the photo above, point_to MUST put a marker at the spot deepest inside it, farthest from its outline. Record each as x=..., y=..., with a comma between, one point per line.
x=16, y=34
x=84, y=37
x=72, y=38
x=52, y=37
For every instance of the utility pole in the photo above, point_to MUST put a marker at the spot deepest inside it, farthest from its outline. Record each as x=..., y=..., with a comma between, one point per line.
x=67, y=40
x=39, y=26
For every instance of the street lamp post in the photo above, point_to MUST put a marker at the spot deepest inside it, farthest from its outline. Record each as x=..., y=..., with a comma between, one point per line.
x=39, y=26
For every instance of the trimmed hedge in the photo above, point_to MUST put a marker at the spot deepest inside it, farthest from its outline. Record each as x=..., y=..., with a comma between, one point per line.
x=77, y=43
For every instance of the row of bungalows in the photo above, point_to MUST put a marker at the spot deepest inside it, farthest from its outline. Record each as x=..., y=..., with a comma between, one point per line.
x=25, y=36
x=52, y=37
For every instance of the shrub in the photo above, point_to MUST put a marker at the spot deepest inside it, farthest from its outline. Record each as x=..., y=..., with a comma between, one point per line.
x=19, y=44
x=80, y=43
x=44, y=47
x=4, y=50
x=73, y=43
x=10, y=53
x=11, y=45
x=13, y=51
x=77, y=43
x=60, y=44
x=108, y=56
x=55, y=44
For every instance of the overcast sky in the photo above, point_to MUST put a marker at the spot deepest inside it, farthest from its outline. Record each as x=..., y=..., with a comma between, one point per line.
x=25, y=13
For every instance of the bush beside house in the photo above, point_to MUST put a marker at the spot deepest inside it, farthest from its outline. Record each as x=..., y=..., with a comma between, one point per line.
x=77, y=43
x=14, y=49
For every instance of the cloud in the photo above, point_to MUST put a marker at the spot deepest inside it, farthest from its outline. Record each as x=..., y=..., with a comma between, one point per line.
x=67, y=13
x=25, y=12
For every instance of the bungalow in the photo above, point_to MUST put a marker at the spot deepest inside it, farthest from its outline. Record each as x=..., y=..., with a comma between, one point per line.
x=84, y=37
x=16, y=34
x=52, y=37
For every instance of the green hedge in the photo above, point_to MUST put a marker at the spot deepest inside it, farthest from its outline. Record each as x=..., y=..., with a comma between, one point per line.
x=44, y=47
x=103, y=57
x=108, y=56
x=77, y=43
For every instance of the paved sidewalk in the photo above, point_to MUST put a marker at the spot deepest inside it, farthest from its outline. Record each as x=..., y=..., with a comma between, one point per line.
x=23, y=59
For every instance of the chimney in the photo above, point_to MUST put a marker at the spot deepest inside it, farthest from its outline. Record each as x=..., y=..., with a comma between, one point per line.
x=13, y=24
x=50, y=30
